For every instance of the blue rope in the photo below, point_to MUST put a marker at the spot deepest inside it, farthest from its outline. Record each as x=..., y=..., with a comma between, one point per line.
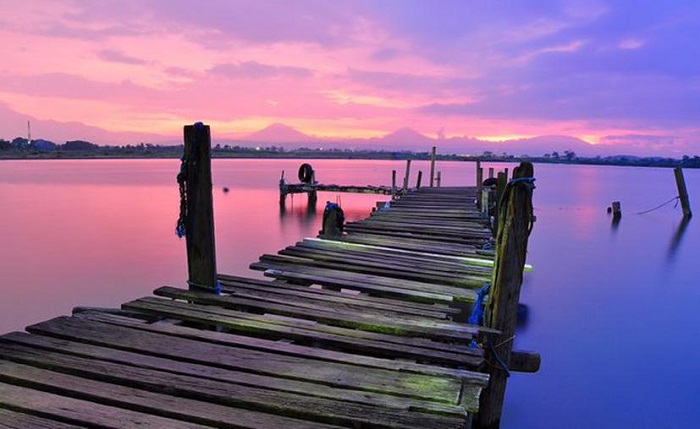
x=500, y=362
x=477, y=316
x=526, y=180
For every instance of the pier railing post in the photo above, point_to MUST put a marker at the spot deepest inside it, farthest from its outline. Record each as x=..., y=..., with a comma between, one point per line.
x=406, y=177
x=432, y=166
x=514, y=226
x=199, y=221
x=479, y=183
x=682, y=192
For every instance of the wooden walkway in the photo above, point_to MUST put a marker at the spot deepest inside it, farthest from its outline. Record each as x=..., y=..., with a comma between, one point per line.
x=356, y=333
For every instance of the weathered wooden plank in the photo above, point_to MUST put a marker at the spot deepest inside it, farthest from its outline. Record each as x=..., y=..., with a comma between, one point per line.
x=233, y=283
x=342, y=302
x=195, y=399
x=464, y=280
x=291, y=349
x=320, y=335
x=395, y=325
x=376, y=258
x=14, y=420
x=479, y=260
x=82, y=413
x=43, y=345
x=371, y=288
x=200, y=404
x=329, y=301
x=371, y=283
x=439, y=389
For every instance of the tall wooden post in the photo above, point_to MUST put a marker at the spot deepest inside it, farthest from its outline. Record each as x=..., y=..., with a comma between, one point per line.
x=199, y=221
x=418, y=180
x=393, y=184
x=501, y=182
x=682, y=192
x=408, y=173
x=432, y=166
x=515, y=222
x=479, y=183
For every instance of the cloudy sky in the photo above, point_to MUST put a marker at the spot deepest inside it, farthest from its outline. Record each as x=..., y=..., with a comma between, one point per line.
x=609, y=72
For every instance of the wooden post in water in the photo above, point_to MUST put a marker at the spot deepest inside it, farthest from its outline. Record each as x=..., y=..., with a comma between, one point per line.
x=418, y=180
x=616, y=210
x=501, y=182
x=432, y=166
x=682, y=192
x=408, y=173
x=438, y=179
x=515, y=222
x=490, y=172
x=479, y=181
x=199, y=221
x=393, y=184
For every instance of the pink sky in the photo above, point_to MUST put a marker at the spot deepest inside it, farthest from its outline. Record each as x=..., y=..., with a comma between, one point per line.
x=119, y=72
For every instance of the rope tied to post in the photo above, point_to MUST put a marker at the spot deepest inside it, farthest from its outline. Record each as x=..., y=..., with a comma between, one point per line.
x=527, y=183
x=180, y=227
x=477, y=316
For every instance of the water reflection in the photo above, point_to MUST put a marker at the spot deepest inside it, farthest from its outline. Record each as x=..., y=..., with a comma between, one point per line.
x=306, y=213
x=677, y=238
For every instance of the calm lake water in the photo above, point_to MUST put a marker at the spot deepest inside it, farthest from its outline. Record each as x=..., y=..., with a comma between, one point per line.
x=614, y=311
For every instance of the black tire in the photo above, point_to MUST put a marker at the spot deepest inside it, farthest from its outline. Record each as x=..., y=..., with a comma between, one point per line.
x=306, y=173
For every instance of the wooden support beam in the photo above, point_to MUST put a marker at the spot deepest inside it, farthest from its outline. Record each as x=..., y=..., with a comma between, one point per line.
x=515, y=222
x=682, y=192
x=418, y=180
x=408, y=174
x=432, y=166
x=479, y=183
x=524, y=361
x=393, y=184
x=199, y=219
x=501, y=182
x=438, y=180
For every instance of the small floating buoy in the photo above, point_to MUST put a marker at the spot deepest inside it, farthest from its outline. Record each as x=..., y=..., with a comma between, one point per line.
x=225, y=189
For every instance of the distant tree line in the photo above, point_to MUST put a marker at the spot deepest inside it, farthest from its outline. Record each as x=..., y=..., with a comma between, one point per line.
x=40, y=148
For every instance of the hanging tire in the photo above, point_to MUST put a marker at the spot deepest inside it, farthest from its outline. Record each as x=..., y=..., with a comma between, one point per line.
x=306, y=173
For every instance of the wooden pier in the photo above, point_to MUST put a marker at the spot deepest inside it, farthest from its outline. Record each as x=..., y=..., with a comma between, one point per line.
x=359, y=332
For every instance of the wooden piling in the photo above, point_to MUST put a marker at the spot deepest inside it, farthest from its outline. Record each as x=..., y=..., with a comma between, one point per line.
x=418, y=180
x=393, y=184
x=501, y=182
x=438, y=180
x=491, y=172
x=616, y=210
x=515, y=222
x=479, y=183
x=682, y=192
x=199, y=222
x=432, y=166
x=408, y=174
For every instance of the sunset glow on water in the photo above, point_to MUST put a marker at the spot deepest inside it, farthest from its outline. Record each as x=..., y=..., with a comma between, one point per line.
x=608, y=308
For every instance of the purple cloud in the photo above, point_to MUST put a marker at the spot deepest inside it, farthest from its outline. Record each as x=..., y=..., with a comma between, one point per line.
x=256, y=70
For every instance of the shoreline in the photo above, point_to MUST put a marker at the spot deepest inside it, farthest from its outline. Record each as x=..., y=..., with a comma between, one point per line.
x=623, y=161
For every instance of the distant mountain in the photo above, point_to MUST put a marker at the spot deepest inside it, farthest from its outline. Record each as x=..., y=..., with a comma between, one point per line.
x=279, y=133
x=14, y=124
x=406, y=136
